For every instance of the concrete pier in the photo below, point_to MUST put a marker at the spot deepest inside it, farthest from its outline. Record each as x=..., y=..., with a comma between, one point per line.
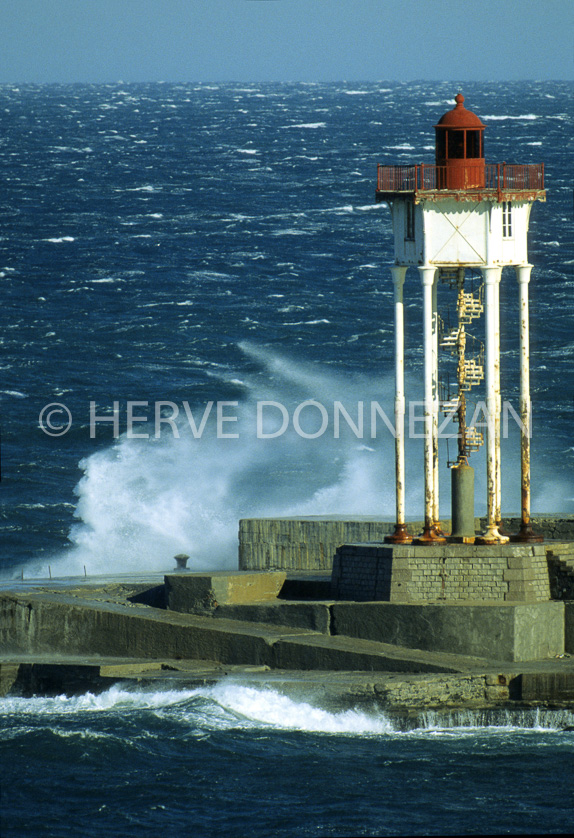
x=72, y=635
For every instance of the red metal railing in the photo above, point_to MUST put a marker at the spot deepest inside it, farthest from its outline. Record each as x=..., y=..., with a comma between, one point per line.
x=497, y=176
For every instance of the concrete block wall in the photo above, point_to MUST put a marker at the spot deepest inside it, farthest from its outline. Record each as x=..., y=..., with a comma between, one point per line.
x=309, y=543
x=305, y=543
x=365, y=572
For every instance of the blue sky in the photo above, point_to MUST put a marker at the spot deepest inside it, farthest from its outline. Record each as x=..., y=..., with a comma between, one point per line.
x=284, y=40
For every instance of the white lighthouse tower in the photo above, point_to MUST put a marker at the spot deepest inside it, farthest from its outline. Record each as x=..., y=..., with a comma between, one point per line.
x=459, y=221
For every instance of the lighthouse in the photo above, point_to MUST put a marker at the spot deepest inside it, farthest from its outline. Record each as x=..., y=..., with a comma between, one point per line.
x=457, y=223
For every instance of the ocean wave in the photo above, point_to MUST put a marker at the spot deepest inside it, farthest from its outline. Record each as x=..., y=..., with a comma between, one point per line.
x=14, y=393
x=269, y=707
x=307, y=322
x=307, y=125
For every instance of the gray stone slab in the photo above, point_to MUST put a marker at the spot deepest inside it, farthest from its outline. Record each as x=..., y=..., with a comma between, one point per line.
x=504, y=631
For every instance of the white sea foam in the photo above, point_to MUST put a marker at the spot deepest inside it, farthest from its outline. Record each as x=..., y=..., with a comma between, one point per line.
x=230, y=705
x=307, y=322
x=116, y=697
x=60, y=239
x=307, y=125
x=270, y=707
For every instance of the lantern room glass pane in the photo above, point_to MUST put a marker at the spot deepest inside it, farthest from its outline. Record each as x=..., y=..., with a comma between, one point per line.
x=455, y=145
x=440, y=145
x=473, y=144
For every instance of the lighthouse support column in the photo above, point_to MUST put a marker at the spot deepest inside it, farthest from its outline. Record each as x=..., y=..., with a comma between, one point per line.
x=497, y=434
x=429, y=534
x=435, y=396
x=492, y=275
x=525, y=534
x=400, y=535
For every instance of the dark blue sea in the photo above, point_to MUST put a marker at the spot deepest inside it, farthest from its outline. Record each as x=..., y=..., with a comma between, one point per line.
x=196, y=312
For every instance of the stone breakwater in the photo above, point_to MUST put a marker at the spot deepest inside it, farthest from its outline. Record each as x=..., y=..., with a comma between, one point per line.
x=69, y=635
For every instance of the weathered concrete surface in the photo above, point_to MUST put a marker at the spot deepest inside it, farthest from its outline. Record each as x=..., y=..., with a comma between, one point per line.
x=336, y=653
x=8, y=676
x=42, y=623
x=191, y=593
x=547, y=686
x=505, y=631
x=310, y=542
x=55, y=623
x=569, y=628
x=306, y=542
x=314, y=616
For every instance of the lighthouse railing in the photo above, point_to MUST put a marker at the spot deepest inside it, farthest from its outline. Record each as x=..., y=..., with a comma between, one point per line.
x=427, y=177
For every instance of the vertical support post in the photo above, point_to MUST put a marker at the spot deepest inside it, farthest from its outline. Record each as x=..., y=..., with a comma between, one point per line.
x=400, y=535
x=429, y=535
x=525, y=534
x=497, y=434
x=492, y=275
x=435, y=401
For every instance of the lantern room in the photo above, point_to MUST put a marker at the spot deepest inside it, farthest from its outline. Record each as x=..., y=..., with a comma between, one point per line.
x=460, y=148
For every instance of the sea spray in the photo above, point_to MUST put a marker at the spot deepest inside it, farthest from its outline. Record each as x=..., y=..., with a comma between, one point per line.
x=141, y=501
x=184, y=486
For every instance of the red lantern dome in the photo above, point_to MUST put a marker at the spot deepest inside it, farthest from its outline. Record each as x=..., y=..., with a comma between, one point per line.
x=460, y=148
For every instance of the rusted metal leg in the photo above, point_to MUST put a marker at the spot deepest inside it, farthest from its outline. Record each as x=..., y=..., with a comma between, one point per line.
x=437, y=527
x=429, y=535
x=497, y=434
x=400, y=535
x=492, y=277
x=525, y=535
